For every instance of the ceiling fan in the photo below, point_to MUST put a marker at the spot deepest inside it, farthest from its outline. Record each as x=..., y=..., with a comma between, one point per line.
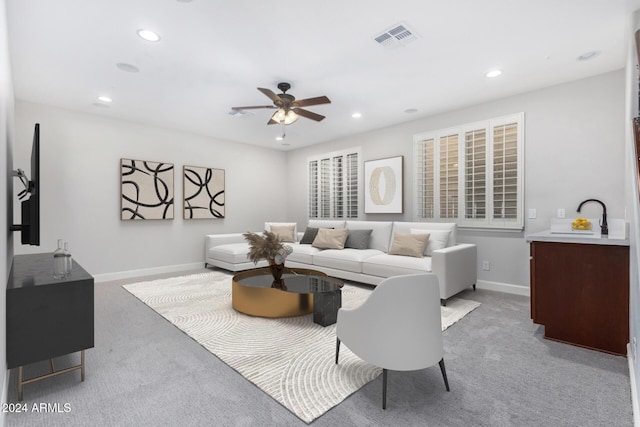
x=288, y=108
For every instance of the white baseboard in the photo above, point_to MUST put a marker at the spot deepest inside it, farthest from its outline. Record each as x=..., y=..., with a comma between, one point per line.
x=634, y=391
x=507, y=288
x=145, y=272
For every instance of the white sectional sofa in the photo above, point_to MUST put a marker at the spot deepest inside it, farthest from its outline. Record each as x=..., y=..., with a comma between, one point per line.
x=454, y=263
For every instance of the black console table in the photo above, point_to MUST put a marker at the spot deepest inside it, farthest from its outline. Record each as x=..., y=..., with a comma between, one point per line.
x=47, y=317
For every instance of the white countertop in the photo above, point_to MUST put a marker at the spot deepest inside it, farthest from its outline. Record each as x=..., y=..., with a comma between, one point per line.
x=618, y=235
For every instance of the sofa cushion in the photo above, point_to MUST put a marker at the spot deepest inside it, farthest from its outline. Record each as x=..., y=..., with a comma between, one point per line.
x=438, y=239
x=385, y=265
x=328, y=238
x=405, y=227
x=326, y=223
x=302, y=253
x=358, y=239
x=380, y=236
x=409, y=244
x=286, y=233
x=344, y=259
x=309, y=235
x=267, y=226
x=232, y=253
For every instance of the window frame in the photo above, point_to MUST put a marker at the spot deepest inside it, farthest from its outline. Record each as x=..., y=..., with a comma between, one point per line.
x=341, y=188
x=420, y=170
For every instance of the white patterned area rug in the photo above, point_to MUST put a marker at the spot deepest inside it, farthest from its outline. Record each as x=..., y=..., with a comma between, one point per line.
x=291, y=359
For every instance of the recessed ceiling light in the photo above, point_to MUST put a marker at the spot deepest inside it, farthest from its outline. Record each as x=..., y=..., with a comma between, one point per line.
x=104, y=99
x=588, y=55
x=148, y=35
x=279, y=138
x=411, y=110
x=493, y=73
x=356, y=115
x=127, y=67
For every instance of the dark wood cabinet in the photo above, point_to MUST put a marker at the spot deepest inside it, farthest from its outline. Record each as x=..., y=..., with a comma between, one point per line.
x=47, y=317
x=580, y=293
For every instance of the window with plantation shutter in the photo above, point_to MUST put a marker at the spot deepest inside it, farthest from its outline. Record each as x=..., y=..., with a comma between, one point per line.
x=472, y=174
x=333, y=185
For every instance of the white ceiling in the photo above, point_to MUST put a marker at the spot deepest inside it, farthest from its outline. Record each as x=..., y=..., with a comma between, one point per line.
x=214, y=54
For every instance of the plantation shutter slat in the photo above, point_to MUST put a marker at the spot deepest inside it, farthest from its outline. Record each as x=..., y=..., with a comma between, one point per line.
x=475, y=174
x=448, y=176
x=313, y=189
x=425, y=178
x=505, y=172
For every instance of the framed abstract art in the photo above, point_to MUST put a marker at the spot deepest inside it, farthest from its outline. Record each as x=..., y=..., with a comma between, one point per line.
x=146, y=190
x=203, y=190
x=383, y=185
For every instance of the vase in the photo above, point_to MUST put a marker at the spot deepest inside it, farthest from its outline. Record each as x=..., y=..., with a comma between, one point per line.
x=276, y=269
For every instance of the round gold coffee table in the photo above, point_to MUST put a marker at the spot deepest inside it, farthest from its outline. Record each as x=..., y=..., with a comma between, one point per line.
x=254, y=292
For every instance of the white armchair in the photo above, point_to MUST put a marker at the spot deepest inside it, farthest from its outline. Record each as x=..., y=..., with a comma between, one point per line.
x=399, y=327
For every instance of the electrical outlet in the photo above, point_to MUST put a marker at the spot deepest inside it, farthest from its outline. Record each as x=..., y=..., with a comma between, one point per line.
x=532, y=213
x=486, y=266
x=561, y=213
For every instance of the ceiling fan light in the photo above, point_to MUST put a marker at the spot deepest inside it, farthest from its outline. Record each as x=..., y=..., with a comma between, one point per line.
x=284, y=116
x=290, y=117
x=279, y=115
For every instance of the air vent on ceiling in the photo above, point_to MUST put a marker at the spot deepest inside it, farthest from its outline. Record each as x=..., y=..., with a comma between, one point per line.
x=240, y=113
x=398, y=35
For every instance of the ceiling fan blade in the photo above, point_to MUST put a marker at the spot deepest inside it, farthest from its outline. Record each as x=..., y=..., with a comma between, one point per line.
x=311, y=101
x=308, y=114
x=272, y=96
x=253, y=107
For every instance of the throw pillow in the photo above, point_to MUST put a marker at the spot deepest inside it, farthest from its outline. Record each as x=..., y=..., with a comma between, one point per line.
x=409, y=244
x=358, y=239
x=309, y=234
x=438, y=239
x=284, y=232
x=328, y=238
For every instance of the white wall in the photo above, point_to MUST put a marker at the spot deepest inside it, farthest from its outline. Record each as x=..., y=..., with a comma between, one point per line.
x=633, y=208
x=574, y=150
x=80, y=190
x=6, y=166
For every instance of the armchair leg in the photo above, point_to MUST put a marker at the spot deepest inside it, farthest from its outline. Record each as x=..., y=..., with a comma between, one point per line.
x=337, y=349
x=444, y=373
x=384, y=388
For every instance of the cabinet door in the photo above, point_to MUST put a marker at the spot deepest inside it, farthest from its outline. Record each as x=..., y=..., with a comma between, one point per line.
x=582, y=294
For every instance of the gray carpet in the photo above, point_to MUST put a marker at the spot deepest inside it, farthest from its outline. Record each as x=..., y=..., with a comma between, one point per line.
x=145, y=372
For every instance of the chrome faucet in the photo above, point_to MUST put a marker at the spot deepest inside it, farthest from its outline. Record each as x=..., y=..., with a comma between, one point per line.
x=604, y=228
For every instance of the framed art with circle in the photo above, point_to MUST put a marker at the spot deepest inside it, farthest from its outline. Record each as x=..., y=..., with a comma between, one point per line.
x=383, y=192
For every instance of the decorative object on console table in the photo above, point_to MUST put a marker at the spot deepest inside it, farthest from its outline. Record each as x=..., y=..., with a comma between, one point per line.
x=59, y=262
x=203, y=190
x=47, y=317
x=147, y=190
x=383, y=185
x=269, y=247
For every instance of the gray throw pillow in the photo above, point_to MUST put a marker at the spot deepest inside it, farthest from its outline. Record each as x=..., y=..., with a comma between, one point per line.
x=309, y=235
x=358, y=239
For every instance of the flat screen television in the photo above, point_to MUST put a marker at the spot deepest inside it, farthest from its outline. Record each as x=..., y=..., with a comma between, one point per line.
x=30, y=207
